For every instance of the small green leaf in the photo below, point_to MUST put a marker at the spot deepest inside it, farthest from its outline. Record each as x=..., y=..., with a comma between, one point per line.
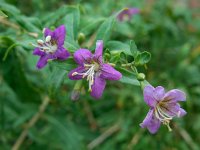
x=123, y=57
x=143, y=58
x=55, y=80
x=117, y=46
x=91, y=25
x=133, y=49
x=67, y=65
x=128, y=77
x=2, y=14
x=104, y=31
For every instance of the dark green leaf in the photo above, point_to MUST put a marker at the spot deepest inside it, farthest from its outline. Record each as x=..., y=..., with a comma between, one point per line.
x=133, y=49
x=143, y=58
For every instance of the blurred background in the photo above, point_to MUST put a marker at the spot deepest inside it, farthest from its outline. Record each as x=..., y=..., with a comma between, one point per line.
x=168, y=29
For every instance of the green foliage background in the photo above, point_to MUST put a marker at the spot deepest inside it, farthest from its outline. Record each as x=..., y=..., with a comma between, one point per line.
x=169, y=30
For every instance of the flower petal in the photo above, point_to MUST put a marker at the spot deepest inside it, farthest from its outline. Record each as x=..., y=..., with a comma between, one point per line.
x=79, y=69
x=38, y=52
x=109, y=73
x=129, y=12
x=59, y=35
x=182, y=112
x=99, y=51
x=47, y=32
x=173, y=109
x=82, y=56
x=62, y=54
x=151, y=122
x=42, y=61
x=98, y=87
x=174, y=96
x=133, y=11
x=159, y=93
x=149, y=96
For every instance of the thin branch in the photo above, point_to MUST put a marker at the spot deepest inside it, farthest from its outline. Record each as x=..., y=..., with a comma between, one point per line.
x=186, y=136
x=31, y=123
x=91, y=40
x=6, y=22
x=104, y=136
x=90, y=116
x=135, y=139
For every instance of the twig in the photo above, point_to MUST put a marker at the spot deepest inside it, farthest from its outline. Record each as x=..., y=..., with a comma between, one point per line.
x=135, y=139
x=90, y=115
x=31, y=123
x=91, y=40
x=8, y=23
x=185, y=135
x=16, y=27
x=104, y=136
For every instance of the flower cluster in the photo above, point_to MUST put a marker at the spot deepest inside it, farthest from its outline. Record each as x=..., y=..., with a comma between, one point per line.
x=163, y=105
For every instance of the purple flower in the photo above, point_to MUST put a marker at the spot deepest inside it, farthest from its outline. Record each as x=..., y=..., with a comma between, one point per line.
x=163, y=107
x=51, y=47
x=92, y=68
x=127, y=13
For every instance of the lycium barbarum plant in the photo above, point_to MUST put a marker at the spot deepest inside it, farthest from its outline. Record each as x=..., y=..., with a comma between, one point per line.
x=92, y=67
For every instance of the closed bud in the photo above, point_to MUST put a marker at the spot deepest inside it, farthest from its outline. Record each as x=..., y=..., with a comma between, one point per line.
x=81, y=38
x=75, y=95
x=141, y=76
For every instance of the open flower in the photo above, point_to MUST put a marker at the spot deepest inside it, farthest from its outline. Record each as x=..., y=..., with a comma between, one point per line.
x=92, y=68
x=51, y=47
x=127, y=13
x=163, y=107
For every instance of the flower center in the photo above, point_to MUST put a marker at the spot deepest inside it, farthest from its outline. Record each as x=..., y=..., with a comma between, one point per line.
x=163, y=116
x=91, y=69
x=46, y=45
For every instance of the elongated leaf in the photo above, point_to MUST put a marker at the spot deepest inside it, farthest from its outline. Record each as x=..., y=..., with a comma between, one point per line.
x=143, y=58
x=133, y=49
x=2, y=14
x=117, y=46
x=128, y=77
x=104, y=31
x=66, y=65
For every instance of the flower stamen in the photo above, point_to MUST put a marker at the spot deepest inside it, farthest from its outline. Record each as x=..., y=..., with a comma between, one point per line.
x=163, y=117
x=46, y=45
x=91, y=69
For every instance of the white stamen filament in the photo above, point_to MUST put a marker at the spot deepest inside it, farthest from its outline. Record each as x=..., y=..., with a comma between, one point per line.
x=48, y=38
x=46, y=45
x=89, y=74
x=163, y=116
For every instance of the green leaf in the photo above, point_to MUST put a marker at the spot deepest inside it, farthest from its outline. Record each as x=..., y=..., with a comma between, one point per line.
x=91, y=25
x=133, y=49
x=104, y=31
x=128, y=77
x=55, y=80
x=9, y=8
x=143, y=58
x=67, y=65
x=66, y=132
x=2, y=14
x=72, y=21
x=118, y=47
